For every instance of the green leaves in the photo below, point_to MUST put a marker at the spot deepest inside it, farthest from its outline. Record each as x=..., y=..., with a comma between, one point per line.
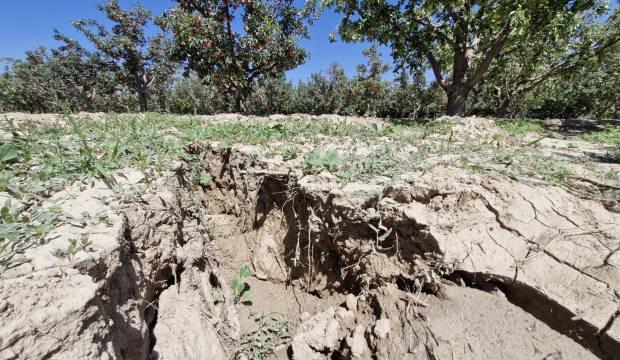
x=316, y=160
x=331, y=160
x=239, y=285
x=140, y=62
x=20, y=229
x=8, y=152
x=206, y=40
x=245, y=272
x=272, y=331
x=75, y=247
x=459, y=40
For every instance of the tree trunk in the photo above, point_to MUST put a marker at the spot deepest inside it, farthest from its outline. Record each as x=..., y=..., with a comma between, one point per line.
x=194, y=100
x=143, y=101
x=501, y=111
x=457, y=97
x=163, y=103
x=240, y=96
x=502, y=103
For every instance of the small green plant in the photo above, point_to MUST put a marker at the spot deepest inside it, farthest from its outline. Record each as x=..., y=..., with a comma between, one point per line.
x=382, y=161
x=12, y=236
x=272, y=331
x=89, y=160
x=8, y=152
x=72, y=249
x=439, y=126
x=612, y=175
x=520, y=127
x=610, y=136
x=316, y=161
x=290, y=152
x=203, y=180
x=21, y=229
x=239, y=285
x=75, y=246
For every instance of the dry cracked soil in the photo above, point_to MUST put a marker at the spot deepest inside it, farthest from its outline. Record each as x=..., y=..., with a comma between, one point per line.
x=267, y=259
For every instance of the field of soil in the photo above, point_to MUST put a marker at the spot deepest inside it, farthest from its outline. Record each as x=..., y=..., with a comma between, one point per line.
x=230, y=237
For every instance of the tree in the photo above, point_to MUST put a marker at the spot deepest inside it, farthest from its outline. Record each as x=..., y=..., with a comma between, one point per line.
x=163, y=71
x=190, y=95
x=325, y=94
x=233, y=56
x=86, y=76
x=410, y=97
x=34, y=85
x=66, y=78
x=590, y=89
x=139, y=59
x=272, y=96
x=527, y=66
x=458, y=40
x=368, y=86
x=6, y=83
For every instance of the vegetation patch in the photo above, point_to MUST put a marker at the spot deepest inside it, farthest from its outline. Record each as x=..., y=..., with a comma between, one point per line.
x=39, y=160
x=520, y=126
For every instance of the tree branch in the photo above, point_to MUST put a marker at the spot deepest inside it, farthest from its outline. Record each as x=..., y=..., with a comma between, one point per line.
x=435, y=29
x=563, y=66
x=436, y=69
x=496, y=47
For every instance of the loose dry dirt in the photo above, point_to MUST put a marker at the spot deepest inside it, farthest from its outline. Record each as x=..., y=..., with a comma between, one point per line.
x=439, y=263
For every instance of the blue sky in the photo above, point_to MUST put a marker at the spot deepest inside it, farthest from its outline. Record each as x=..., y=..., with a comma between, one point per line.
x=29, y=23
x=26, y=24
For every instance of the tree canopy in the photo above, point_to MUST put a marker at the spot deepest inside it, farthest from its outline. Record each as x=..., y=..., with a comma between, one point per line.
x=234, y=43
x=508, y=58
x=139, y=59
x=460, y=39
x=526, y=66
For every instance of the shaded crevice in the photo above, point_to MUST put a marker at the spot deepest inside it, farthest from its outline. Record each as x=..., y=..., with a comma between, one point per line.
x=272, y=192
x=548, y=311
x=610, y=322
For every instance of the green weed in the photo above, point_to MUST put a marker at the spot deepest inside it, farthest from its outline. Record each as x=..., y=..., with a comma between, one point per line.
x=520, y=127
x=75, y=246
x=382, y=161
x=610, y=136
x=272, y=330
x=290, y=152
x=22, y=228
x=316, y=161
x=239, y=285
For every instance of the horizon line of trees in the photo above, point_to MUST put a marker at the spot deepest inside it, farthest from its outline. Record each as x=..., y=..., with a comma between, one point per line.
x=518, y=58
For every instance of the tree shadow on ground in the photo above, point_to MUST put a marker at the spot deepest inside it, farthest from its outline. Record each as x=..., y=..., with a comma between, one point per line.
x=578, y=126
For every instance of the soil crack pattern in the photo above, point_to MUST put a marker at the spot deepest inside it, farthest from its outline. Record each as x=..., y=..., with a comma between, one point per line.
x=231, y=253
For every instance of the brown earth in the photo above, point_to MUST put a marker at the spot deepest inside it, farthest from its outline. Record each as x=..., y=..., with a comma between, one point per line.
x=438, y=263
